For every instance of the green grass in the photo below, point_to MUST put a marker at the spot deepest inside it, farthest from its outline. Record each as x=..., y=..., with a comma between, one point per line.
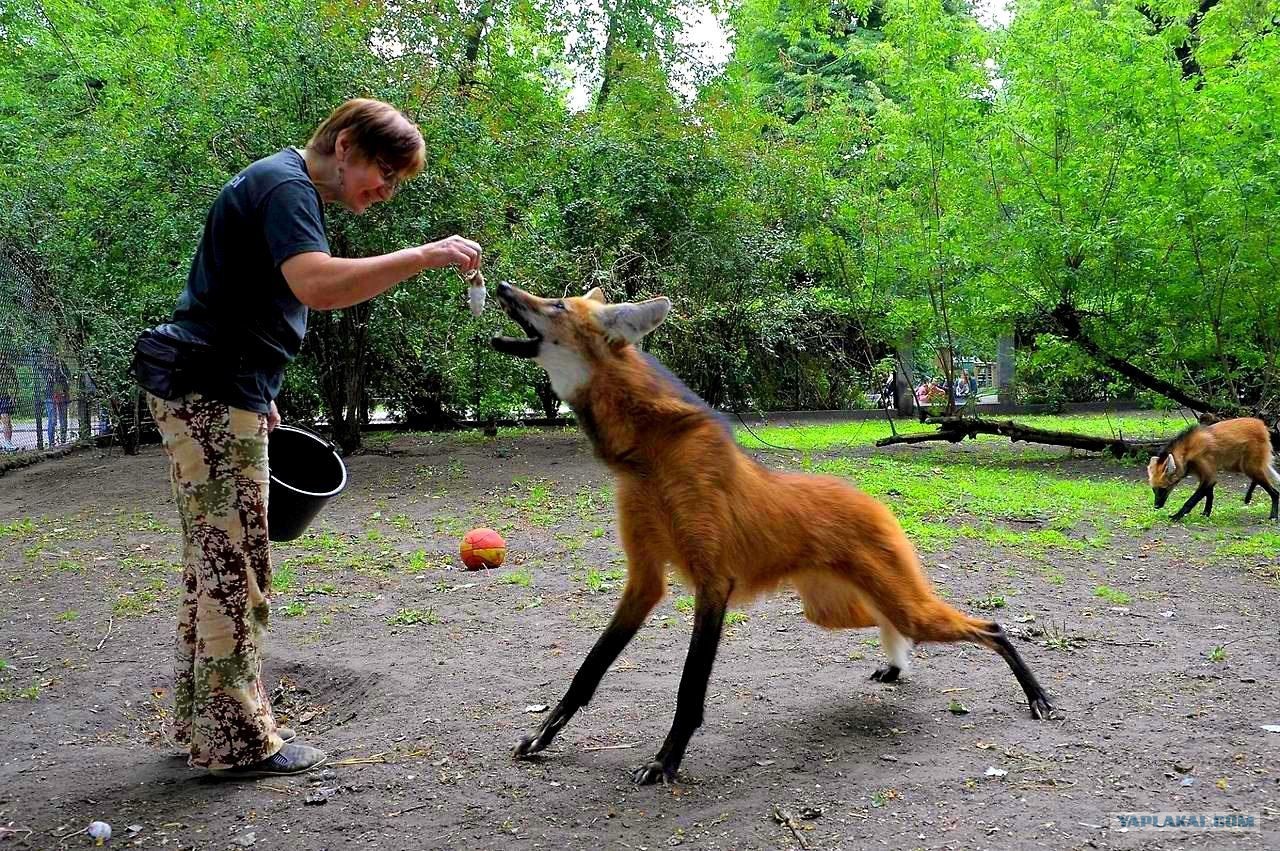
x=684, y=603
x=1015, y=497
x=1259, y=544
x=19, y=528
x=67, y=616
x=535, y=499
x=522, y=577
x=1111, y=595
x=412, y=617
x=450, y=526
x=133, y=605
x=296, y=609
x=418, y=562
x=32, y=692
x=735, y=618
x=941, y=499
x=283, y=577
x=597, y=580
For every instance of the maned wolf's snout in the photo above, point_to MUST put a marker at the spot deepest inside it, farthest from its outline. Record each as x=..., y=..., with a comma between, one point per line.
x=514, y=303
x=1162, y=494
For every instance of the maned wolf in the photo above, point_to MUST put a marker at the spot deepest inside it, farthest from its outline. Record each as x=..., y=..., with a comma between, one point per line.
x=688, y=497
x=1242, y=445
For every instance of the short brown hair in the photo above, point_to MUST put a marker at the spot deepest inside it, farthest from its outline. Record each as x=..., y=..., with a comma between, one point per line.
x=377, y=130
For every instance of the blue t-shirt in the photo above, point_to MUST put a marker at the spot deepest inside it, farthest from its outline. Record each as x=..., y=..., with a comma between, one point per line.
x=236, y=298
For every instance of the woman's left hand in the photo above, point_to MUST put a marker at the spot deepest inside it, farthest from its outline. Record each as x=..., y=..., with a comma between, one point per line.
x=273, y=417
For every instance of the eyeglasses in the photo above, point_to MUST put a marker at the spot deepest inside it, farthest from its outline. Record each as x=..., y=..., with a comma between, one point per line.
x=390, y=177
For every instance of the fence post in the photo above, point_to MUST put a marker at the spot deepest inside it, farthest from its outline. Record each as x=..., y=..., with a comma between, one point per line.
x=37, y=396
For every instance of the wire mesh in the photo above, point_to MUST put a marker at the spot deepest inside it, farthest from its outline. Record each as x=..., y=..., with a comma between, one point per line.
x=47, y=398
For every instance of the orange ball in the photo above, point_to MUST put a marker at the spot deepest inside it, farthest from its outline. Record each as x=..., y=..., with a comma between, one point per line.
x=482, y=548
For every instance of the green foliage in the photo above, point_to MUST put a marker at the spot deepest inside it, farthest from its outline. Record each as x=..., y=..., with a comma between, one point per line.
x=413, y=617
x=861, y=178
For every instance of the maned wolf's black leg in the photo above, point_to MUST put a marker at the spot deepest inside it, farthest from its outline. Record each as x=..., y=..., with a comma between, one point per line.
x=1208, y=502
x=886, y=674
x=1200, y=494
x=1248, y=494
x=1275, y=499
x=708, y=619
x=635, y=606
x=1036, y=695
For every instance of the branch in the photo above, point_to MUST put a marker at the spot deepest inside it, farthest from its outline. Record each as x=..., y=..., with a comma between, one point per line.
x=955, y=429
x=1067, y=319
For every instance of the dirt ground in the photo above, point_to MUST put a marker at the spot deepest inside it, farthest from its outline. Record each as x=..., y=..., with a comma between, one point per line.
x=419, y=677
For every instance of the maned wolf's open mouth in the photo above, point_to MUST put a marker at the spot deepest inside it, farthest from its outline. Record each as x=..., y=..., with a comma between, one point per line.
x=521, y=347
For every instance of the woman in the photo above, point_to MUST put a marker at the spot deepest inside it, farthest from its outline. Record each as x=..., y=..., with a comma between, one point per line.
x=212, y=376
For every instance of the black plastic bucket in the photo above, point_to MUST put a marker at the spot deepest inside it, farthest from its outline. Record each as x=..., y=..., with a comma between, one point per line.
x=306, y=472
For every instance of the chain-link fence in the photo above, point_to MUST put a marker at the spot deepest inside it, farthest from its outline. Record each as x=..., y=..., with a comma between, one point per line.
x=47, y=398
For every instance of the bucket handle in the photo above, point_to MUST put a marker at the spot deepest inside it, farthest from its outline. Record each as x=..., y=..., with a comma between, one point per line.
x=320, y=437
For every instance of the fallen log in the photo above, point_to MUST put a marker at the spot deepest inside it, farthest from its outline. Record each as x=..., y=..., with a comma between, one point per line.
x=956, y=429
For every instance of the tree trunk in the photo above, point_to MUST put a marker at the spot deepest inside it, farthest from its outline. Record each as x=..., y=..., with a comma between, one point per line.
x=904, y=380
x=608, y=64
x=340, y=341
x=1006, y=370
x=471, y=48
x=546, y=396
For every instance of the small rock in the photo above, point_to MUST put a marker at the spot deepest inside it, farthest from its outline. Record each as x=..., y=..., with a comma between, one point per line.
x=245, y=840
x=1187, y=781
x=99, y=830
x=536, y=707
x=810, y=813
x=888, y=757
x=1167, y=614
x=996, y=772
x=1182, y=768
x=765, y=762
x=319, y=796
x=1271, y=728
x=323, y=776
x=134, y=828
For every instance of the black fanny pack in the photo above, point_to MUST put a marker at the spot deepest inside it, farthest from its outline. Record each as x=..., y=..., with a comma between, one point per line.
x=171, y=367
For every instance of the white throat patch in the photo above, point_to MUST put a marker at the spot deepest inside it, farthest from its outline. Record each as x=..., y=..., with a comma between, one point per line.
x=568, y=370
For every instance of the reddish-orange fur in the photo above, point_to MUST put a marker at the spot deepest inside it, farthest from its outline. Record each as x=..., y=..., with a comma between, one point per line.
x=688, y=496
x=1241, y=445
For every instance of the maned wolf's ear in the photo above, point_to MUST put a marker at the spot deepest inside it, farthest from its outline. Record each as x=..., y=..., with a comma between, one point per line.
x=596, y=294
x=629, y=322
x=1170, y=465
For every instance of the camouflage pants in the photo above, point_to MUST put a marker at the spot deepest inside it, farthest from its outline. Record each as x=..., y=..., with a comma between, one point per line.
x=218, y=463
